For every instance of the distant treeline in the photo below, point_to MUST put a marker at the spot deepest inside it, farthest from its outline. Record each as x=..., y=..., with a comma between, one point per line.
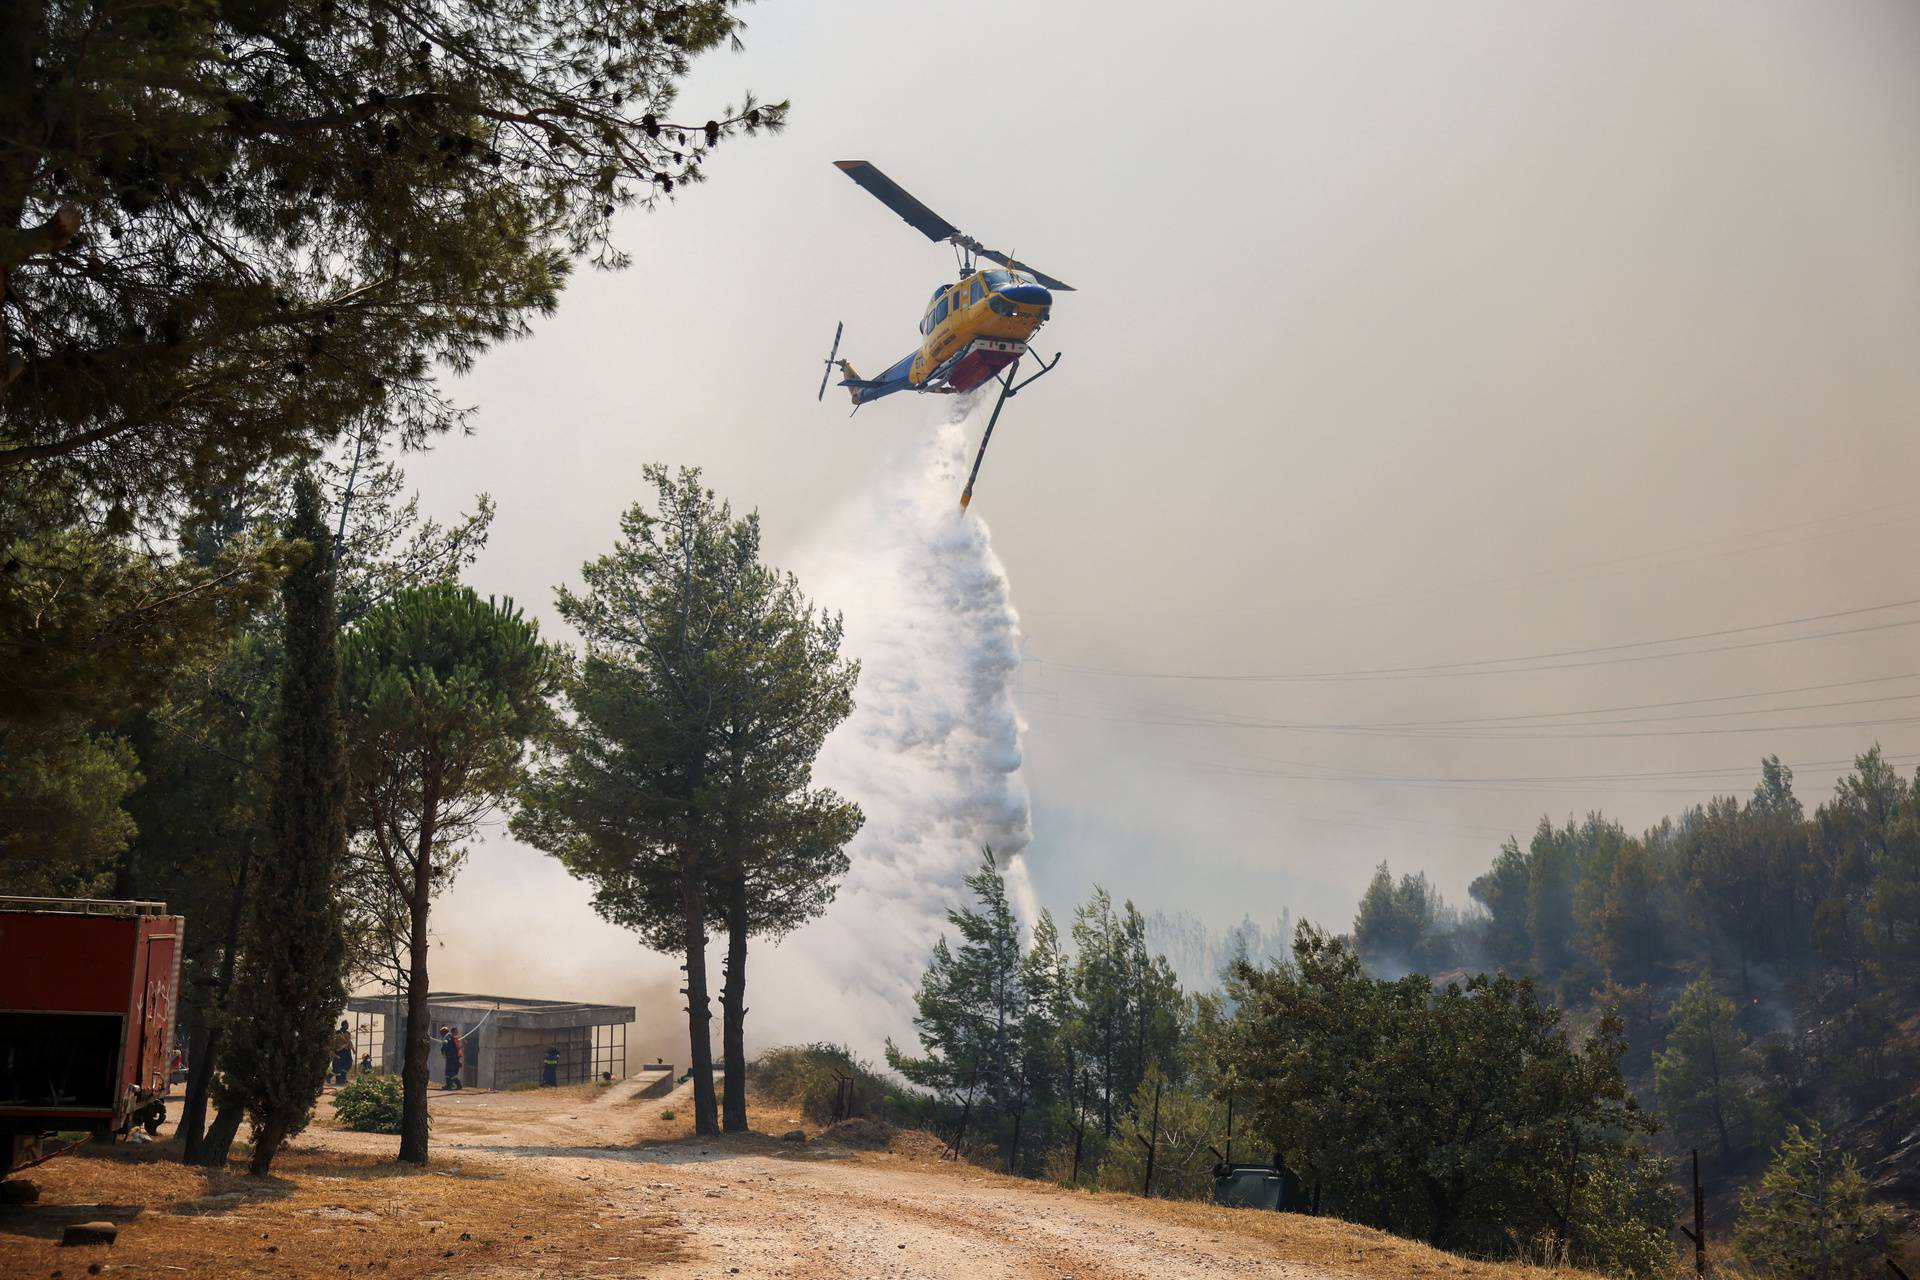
x=1809, y=924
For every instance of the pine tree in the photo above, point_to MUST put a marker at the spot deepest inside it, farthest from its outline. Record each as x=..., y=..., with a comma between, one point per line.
x=680, y=786
x=1156, y=1008
x=290, y=986
x=1046, y=983
x=1398, y=927
x=205, y=752
x=972, y=1009
x=1099, y=1028
x=443, y=689
x=779, y=688
x=323, y=205
x=1811, y=1216
x=1708, y=1074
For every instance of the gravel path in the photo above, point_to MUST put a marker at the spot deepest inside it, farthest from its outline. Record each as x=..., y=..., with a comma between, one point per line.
x=756, y=1207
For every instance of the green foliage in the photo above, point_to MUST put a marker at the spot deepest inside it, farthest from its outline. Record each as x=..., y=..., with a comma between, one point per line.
x=1811, y=1215
x=369, y=1104
x=1810, y=921
x=1462, y=1115
x=972, y=1004
x=234, y=232
x=90, y=630
x=1191, y=1126
x=441, y=692
x=1128, y=1010
x=62, y=827
x=1620, y=1221
x=1039, y=1050
x=1709, y=1077
x=809, y=1076
x=1404, y=926
x=289, y=987
x=1535, y=898
x=206, y=751
x=1893, y=904
x=681, y=783
x=625, y=804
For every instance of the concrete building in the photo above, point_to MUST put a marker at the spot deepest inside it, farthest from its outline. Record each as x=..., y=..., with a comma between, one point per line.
x=504, y=1038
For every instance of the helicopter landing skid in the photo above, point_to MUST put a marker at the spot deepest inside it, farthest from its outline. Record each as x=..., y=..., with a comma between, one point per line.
x=1008, y=389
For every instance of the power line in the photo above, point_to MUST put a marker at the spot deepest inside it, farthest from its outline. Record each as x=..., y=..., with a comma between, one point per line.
x=1337, y=773
x=1755, y=540
x=1546, y=661
x=1490, y=727
x=1671, y=702
x=1490, y=734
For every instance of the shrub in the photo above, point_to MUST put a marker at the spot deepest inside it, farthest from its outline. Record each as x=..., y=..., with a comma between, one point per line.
x=369, y=1104
x=809, y=1076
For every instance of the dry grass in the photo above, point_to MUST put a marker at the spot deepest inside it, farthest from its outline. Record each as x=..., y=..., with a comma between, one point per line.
x=1343, y=1247
x=1339, y=1247
x=321, y=1214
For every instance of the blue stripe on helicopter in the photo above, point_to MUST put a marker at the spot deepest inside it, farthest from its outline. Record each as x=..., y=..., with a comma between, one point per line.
x=894, y=379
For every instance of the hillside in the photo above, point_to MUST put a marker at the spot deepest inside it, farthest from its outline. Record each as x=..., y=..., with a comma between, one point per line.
x=573, y=1184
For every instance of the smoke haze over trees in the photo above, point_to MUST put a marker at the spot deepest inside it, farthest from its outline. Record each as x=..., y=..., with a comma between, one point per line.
x=1735, y=971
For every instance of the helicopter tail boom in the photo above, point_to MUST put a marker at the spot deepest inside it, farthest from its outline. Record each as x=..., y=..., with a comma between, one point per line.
x=895, y=378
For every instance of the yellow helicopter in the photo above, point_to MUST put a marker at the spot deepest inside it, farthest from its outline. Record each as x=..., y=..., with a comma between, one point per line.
x=973, y=330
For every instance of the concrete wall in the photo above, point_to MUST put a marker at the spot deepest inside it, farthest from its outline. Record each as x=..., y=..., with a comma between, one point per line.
x=659, y=1085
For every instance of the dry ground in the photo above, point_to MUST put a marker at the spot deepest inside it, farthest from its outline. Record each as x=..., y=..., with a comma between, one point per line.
x=578, y=1183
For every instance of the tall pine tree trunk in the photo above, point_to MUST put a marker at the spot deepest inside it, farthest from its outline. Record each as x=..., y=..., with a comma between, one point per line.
x=733, y=1010
x=1106, y=1082
x=206, y=1051
x=699, y=1016
x=1719, y=1111
x=203, y=1043
x=218, y=1143
x=266, y=1145
x=416, y=1069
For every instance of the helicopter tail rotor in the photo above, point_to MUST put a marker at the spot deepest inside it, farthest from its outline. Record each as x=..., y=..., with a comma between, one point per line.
x=838, y=328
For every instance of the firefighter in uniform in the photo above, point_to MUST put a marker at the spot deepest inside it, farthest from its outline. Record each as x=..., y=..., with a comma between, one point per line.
x=450, y=1055
x=550, y=1067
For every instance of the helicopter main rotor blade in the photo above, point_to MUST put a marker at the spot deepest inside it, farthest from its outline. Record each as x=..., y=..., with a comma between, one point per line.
x=1045, y=279
x=895, y=197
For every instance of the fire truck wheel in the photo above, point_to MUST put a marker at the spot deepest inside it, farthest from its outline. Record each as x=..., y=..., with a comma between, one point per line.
x=153, y=1117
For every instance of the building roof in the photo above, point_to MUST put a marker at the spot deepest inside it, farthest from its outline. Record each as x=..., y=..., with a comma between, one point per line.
x=504, y=1011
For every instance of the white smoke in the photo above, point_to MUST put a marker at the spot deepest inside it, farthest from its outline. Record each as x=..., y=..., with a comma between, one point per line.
x=931, y=752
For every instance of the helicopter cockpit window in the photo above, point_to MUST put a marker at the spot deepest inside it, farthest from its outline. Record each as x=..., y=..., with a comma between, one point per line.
x=939, y=311
x=998, y=280
x=978, y=291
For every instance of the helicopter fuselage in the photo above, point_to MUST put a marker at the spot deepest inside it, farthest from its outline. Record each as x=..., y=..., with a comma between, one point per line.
x=970, y=331
x=1005, y=308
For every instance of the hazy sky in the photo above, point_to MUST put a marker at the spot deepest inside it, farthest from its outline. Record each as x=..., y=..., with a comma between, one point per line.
x=1406, y=334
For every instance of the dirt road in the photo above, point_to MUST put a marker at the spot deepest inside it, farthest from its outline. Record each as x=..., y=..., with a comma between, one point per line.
x=582, y=1183
x=755, y=1206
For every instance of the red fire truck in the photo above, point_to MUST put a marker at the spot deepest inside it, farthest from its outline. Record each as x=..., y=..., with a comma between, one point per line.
x=87, y=990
